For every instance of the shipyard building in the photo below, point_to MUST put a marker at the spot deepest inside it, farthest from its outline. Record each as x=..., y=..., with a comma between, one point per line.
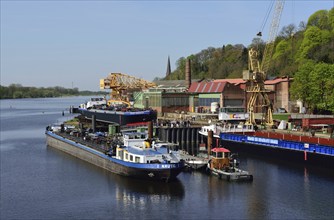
x=191, y=95
x=172, y=96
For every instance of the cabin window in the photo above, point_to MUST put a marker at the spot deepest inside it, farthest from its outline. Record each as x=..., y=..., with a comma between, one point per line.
x=126, y=156
x=121, y=154
x=131, y=158
x=137, y=159
x=219, y=154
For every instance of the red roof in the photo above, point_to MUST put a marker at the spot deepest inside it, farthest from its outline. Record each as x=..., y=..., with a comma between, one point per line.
x=277, y=80
x=207, y=87
x=232, y=81
x=218, y=85
x=220, y=149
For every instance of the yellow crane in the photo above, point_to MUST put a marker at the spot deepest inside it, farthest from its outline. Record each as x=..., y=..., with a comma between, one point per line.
x=120, y=84
x=257, y=74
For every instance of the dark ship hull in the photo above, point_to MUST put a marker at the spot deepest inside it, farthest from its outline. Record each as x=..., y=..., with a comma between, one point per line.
x=119, y=117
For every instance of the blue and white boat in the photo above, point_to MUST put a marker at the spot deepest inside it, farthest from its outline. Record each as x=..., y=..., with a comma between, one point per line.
x=134, y=158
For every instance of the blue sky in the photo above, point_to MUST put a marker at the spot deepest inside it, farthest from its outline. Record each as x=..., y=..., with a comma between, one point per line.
x=65, y=43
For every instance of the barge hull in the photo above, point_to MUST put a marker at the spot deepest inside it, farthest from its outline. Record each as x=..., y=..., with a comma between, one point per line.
x=305, y=153
x=103, y=161
x=294, y=156
x=121, y=118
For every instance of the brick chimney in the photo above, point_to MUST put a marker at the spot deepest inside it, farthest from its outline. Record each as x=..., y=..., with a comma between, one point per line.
x=188, y=73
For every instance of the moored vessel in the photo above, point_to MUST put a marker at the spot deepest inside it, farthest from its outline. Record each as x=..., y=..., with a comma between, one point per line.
x=139, y=160
x=225, y=166
x=226, y=128
x=194, y=162
x=116, y=112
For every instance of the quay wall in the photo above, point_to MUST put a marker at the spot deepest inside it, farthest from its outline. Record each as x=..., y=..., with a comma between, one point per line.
x=187, y=138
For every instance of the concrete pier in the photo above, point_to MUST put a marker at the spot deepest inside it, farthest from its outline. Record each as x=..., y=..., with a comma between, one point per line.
x=187, y=137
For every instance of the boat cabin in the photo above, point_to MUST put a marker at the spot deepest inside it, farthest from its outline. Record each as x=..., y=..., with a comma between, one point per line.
x=140, y=155
x=95, y=103
x=220, y=157
x=165, y=147
x=138, y=149
x=135, y=139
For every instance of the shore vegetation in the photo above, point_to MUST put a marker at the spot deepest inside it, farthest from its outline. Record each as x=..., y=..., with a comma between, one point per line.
x=17, y=91
x=304, y=53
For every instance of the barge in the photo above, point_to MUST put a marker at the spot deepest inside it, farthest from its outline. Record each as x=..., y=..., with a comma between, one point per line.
x=312, y=150
x=133, y=161
x=121, y=117
x=116, y=112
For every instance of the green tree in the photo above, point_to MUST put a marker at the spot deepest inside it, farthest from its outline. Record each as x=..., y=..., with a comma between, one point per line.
x=314, y=85
x=300, y=88
x=322, y=86
x=320, y=19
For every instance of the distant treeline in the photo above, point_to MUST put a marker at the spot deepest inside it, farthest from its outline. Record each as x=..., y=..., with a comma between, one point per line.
x=17, y=91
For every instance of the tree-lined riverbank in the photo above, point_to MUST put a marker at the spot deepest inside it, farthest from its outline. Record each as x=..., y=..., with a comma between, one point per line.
x=17, y=91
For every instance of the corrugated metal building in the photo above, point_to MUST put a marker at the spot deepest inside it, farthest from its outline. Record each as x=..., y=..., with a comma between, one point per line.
x=203, y=93
x=175, y=96
x=168, y=96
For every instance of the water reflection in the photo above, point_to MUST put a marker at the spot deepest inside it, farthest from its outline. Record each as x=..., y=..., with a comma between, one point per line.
x=135, y=190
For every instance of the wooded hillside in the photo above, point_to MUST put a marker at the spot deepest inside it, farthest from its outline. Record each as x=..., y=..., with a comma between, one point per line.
x=305, y=53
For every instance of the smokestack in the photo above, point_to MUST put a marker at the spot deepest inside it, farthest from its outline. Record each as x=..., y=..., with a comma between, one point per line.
x=168, y=71
x=188, y=73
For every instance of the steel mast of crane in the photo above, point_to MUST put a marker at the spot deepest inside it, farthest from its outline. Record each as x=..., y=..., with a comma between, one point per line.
x=257, y=73
x=118, y=83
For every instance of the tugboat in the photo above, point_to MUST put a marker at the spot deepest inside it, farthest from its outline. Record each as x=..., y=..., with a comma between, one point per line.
x=225, y=166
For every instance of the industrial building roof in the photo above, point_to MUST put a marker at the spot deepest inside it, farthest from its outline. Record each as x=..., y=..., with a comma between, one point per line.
x=277, y=80
x=207, y=87
x=232, y=81
x=170, y=83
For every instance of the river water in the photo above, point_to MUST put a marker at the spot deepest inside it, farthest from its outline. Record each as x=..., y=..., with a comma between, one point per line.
x=39, y=182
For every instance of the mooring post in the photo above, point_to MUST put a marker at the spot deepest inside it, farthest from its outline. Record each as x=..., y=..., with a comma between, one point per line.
x=210, y=140
x=183, y=138
x=150, y=131
x=94, y=123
